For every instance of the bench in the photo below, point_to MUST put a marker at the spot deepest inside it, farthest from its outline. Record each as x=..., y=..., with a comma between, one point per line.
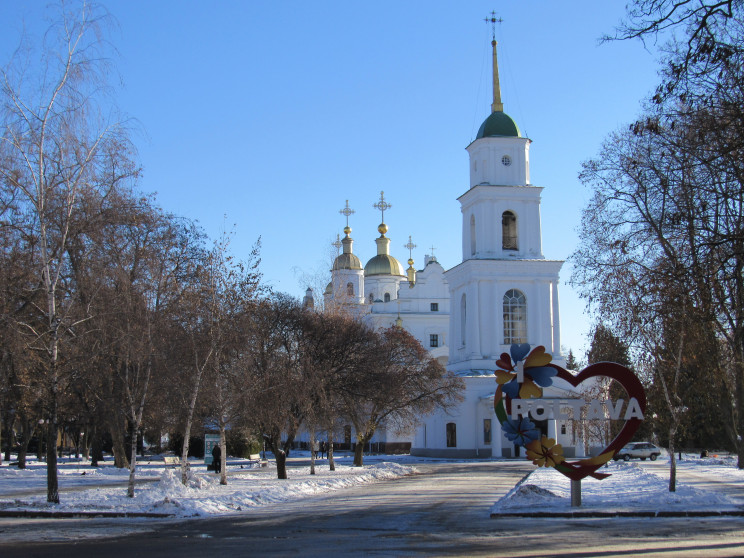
x=172, y=460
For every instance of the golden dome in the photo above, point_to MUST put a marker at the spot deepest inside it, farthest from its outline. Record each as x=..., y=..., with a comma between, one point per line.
x=383, y=264
x=347, y=261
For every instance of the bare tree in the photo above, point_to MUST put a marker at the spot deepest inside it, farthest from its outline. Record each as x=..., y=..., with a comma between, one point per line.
x=58, y=147
x=273, y=380
x=235, y=287
x=397, y=383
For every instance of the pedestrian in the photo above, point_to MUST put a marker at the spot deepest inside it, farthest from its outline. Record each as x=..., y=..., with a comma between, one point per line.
x=217, y=458
x=323, y=449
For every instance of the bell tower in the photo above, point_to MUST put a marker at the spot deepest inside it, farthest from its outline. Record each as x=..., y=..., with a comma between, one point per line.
x=504, y=291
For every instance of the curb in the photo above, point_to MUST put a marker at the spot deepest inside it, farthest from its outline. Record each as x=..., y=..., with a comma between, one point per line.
x=590, y=514
x=79, y=514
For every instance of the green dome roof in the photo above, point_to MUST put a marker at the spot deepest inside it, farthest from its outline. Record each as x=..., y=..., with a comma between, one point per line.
x=498, y=124
x=347, y=261
x=383, y=264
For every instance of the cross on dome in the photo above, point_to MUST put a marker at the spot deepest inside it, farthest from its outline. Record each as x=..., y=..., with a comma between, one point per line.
x=337, y=243
x=346, y=211
x=382, y=205
x=409, y=246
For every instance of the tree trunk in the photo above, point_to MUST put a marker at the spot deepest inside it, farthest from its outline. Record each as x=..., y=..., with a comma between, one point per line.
x=189, y=420
x=359, y=452
x=96, y=451
x=118, y=446
x=223, y=456
x=51, y=454
x=281, y=464
x=312, y=451
x=132, y=465
x=27, y=432
x=86, y=444
x=331, y=462
x=672, y=463
x=9, y=425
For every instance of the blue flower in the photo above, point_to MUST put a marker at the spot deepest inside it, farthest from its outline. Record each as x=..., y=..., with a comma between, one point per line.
x=521, y=431
x=536, y=374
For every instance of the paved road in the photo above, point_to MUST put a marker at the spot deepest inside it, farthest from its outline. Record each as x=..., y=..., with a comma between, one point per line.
x=442, y=512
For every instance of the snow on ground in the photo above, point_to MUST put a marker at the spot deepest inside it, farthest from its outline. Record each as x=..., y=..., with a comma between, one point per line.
x=633, y=486
x=248, y=486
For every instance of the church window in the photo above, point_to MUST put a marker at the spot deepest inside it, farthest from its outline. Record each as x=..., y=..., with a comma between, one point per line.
x=487, y=431
x=350, y=288
x=506, y=160
x=472, y=235
x=387, y=297
x=563, y=429
x=451, y=435
x=463, y=319
x=433, y=340
x=515, y=317
x=371, y=298
x=434, y=307
x=508, y=231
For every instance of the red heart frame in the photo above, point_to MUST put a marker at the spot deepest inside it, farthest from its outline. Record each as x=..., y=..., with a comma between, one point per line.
x=632, y=385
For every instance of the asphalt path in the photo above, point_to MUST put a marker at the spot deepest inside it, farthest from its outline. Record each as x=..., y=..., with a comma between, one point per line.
x=444, y=511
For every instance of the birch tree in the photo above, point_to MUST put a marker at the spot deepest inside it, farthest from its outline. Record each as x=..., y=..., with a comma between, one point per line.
x=59, y=144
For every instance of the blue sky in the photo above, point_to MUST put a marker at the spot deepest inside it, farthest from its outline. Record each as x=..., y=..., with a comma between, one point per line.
x=267, y=116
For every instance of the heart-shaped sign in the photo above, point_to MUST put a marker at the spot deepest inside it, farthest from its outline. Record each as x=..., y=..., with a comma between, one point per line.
x=522, y=432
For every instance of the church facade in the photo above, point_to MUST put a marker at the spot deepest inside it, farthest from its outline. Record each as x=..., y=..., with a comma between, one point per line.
x=504, y=291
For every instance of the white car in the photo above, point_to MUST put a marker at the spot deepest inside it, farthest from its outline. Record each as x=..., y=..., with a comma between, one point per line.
x=640, y=450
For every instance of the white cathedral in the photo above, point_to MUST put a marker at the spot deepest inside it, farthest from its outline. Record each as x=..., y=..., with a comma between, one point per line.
x=503, y=291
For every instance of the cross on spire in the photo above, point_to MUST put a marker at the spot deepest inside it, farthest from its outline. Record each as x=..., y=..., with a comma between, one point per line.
x=337, y=243
x=493, y=20
x=346, y=211
x=382, y=205
x=410, y=246
x=432, y=250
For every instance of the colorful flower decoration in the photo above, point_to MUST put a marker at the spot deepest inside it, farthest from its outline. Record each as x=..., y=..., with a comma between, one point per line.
x=522, y=374
x=536, y=375
x=520, y=431
x=545, y=452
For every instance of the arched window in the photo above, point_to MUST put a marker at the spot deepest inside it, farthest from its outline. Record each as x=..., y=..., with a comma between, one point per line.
x=509, y=231
x=451, y=435
x=472, y=235
x=387, y=297
x=350, y=288
x=515, y=317
x=463, y=320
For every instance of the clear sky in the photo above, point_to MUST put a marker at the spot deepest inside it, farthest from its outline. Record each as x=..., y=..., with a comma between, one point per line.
x=269, y=115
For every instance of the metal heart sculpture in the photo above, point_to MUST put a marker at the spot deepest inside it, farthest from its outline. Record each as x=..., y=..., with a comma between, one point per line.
x=522, y=376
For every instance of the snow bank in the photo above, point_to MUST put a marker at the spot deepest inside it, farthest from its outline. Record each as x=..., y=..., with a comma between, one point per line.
x=201, y=496
x=630, y=488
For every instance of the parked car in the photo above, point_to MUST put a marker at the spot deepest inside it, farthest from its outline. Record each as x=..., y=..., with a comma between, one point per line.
x=640, y=450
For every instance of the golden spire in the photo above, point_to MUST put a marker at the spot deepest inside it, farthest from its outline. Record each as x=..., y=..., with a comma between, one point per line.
x=382, y=205
x=497, y=105
x=411, y=271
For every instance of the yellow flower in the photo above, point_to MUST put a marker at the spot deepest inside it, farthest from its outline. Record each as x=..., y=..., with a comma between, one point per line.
x=545, y=452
